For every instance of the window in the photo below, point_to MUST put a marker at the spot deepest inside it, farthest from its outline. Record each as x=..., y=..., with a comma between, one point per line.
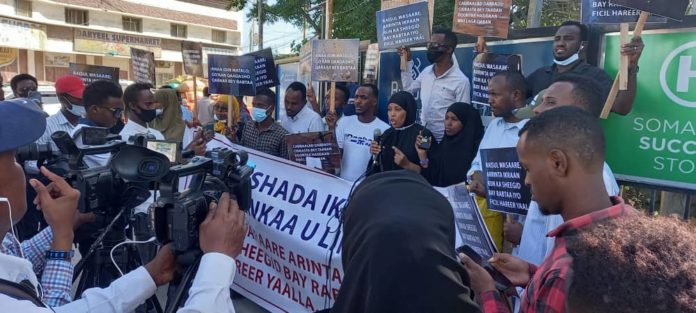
x=23, y=8
x=132, y=24
x=178, y=30
x=77, y=17
x=219, y=36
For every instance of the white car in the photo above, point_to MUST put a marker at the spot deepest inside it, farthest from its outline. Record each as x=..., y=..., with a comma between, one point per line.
x=51, y=104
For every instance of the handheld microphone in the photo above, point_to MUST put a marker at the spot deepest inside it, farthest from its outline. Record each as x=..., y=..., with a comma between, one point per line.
x=377, y=136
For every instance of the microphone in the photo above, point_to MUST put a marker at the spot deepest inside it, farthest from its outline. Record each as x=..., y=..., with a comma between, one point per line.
x=377, y=136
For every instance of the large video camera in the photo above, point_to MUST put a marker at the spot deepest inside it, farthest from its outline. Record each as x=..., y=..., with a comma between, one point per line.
x=101, y=191
x=186, y=190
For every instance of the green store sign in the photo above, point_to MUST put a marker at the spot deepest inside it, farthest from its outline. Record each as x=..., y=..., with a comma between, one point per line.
x=656, y=143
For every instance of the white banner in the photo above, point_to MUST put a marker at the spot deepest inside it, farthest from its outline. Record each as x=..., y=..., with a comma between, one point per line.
x=293, y=222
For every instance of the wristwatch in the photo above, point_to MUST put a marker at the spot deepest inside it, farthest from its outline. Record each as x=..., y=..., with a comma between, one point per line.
x=424, y=162
x=60, y=255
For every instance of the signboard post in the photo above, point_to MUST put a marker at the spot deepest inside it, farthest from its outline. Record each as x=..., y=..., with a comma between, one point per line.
x=143, y=66
x=316, y=149
x=92, y=73
x=505, y=188
x=482, y=18
x=660, y=133
x=485, y=66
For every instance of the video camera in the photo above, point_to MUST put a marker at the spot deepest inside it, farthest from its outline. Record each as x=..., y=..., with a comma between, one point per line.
x=101, y=190
x=186, y=190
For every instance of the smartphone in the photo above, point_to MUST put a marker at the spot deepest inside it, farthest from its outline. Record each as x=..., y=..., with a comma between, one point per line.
x=426, y=142
x=502, y=283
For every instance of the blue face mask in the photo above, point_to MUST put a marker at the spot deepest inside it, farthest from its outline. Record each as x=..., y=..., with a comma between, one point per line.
x=570, y=60
x=259, y=115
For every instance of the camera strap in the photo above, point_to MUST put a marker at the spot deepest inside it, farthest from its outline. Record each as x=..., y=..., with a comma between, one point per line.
x=20, y=291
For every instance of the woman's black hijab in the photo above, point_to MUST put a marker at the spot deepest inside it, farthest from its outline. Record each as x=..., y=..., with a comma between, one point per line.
x=398, y=250
x=451, y=159
x=403, y=137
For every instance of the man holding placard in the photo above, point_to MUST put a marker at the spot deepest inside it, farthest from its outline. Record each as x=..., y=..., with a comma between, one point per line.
x=440, y=84
x=569, y=42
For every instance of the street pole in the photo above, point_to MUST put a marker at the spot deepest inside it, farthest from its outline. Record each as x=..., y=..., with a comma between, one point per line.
x=534, y=13
x=260, y=9
x=329, y=35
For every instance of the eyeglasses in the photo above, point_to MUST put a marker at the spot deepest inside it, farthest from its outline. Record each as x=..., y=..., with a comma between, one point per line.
x=437, y=45
x=116, y=112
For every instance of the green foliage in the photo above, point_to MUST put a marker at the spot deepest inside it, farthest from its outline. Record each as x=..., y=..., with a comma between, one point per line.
x=356, y=18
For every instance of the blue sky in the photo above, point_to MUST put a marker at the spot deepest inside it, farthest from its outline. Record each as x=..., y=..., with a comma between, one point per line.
x=277, y=36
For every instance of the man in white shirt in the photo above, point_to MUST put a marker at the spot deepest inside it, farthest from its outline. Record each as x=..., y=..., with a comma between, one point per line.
x=300, y=117
x=221, y=239
x=204, y=108
x=355, y=133
x=567, y=90
x=440, y=84
x=69, y=91
x=141, y=108
x=506, y=91
x=104, y=106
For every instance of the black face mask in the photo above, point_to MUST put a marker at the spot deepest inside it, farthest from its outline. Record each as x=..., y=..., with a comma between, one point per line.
x=116, y=129
x=147, y=115
x=434, y=55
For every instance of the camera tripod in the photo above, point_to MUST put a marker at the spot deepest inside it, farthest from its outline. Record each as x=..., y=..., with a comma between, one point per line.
x=96, y=269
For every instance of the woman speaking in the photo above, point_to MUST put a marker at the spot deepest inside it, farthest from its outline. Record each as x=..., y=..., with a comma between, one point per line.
x=395, y=149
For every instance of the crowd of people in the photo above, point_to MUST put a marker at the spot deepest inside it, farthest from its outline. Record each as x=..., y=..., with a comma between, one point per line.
x=580, y=248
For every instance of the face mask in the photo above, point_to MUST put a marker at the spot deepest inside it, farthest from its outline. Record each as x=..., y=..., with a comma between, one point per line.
x=147, y=115
x=570, y=60
x=259, y=115
x=76, y=109
x=434, y=54
x=158, y=112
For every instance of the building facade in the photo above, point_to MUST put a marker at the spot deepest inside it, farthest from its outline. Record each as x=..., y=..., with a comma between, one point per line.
x=42, y=37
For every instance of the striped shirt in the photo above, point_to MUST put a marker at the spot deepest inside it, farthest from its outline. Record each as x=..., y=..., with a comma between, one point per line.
x=54, y=123
x=56, y=275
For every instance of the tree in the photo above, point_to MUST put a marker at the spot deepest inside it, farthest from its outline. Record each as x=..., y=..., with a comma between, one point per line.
x=290, y=11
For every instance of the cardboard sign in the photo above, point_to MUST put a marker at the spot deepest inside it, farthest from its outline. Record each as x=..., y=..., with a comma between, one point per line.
x=485, y=66
x=192, y=53
x=403, y=26
x=305, y=74
x=604, y=12
x=92, y=73
x=504, y=178
x=471, y=227
x=335, y=60
x=675, y=9
x=308, y=147
x=265, y=69
x=482, y=18
x=143, y=66
x=388, y=4
x=371, y=62
x=232, y=75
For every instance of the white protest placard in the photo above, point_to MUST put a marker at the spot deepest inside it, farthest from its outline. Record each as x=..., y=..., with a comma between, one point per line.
x=284, y=264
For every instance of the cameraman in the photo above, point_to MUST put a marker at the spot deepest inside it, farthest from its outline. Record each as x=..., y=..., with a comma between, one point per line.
x=102, y=101
x=221, y=238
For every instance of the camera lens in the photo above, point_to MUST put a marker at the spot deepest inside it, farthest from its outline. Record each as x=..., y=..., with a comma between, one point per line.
x=149, y=168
